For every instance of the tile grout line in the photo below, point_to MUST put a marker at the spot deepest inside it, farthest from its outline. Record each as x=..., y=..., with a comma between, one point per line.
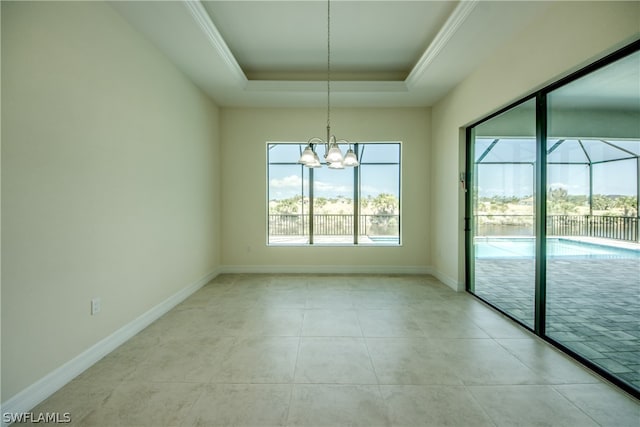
x=373, y=367
x=295, y=365
x=193, y=404
x=552, y=387
x=484, y=411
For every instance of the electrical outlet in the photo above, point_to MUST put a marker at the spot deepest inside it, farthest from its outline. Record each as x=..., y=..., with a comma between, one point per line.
x=96, y=305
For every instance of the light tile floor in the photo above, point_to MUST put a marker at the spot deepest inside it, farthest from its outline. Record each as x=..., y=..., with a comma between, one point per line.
x=269, y=350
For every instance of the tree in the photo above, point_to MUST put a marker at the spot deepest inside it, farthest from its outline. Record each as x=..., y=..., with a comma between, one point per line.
x=615, y=205
x=287, y=206
x=385, y=208
x=626, y=205
x=320, y=202
x=558, y=201
x=385, y=204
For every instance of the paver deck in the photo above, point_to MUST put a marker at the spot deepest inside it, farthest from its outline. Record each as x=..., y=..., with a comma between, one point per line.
x=593, y=305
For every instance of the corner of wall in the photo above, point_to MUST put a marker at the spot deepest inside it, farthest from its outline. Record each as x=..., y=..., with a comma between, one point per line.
x=509, y=74
x=451, y=282
x=37, y=392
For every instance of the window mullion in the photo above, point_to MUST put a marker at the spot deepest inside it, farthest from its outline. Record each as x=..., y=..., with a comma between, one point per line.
x=356, y=201
x=311, y=185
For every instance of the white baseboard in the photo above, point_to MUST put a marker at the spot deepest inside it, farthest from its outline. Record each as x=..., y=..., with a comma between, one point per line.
x=448, y=280
x=326, y=269
x=34, y=394
x=344, y=269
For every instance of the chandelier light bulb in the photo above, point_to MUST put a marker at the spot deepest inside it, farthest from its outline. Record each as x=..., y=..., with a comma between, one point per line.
x=307, y=156
x=334, y=155
x=350, y=159
x=315, y=163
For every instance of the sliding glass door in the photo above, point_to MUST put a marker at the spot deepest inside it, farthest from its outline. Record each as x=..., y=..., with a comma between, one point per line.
x=593, y=251
x=504, y=153
x=553, y=239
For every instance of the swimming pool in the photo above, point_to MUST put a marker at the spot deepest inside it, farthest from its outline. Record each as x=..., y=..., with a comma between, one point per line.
x=556, y=248
x=385, y=239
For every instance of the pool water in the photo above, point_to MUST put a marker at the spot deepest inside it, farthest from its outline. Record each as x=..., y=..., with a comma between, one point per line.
x=556, y=248
x=385, y=239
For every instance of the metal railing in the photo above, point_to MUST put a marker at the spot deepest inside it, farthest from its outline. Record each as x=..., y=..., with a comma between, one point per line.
x=333, y=225
x=610, y=227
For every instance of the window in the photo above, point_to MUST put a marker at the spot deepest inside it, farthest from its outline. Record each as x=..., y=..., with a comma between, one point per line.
x=351, y=206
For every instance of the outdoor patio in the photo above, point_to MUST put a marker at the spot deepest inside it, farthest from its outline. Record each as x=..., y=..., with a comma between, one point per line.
x=593, y=305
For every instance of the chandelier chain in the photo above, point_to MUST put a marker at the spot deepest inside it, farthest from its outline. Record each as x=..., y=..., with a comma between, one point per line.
x=328, y=68
x=333, y=154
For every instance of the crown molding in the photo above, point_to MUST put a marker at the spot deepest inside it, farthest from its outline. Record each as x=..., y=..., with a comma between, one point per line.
x=448, y=30
x=203, y=19
x=321, y=86
x=453, y=23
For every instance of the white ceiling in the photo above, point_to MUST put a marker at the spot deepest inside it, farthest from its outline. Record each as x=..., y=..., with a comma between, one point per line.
x=368, y=38
x=274, y=53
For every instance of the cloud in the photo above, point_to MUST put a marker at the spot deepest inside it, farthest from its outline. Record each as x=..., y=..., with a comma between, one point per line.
x=286, y=187
x=290, y=186
x=328, y=189
x=286, y=183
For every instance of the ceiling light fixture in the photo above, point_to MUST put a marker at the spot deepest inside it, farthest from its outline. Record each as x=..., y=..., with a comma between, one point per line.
x=332, y=153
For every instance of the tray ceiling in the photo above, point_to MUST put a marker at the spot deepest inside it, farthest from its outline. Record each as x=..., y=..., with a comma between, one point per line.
x=274, y=53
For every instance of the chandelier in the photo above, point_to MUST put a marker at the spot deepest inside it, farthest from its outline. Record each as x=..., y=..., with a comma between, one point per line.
x=332, y=153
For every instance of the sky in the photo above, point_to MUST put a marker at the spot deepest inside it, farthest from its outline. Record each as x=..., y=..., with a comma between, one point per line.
x=614, y=178
x=287, y=181
x=611, y=178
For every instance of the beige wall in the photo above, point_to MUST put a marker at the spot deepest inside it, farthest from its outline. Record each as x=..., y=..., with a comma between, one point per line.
x=244, y=136
x=110, y=182
x=568, y=36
